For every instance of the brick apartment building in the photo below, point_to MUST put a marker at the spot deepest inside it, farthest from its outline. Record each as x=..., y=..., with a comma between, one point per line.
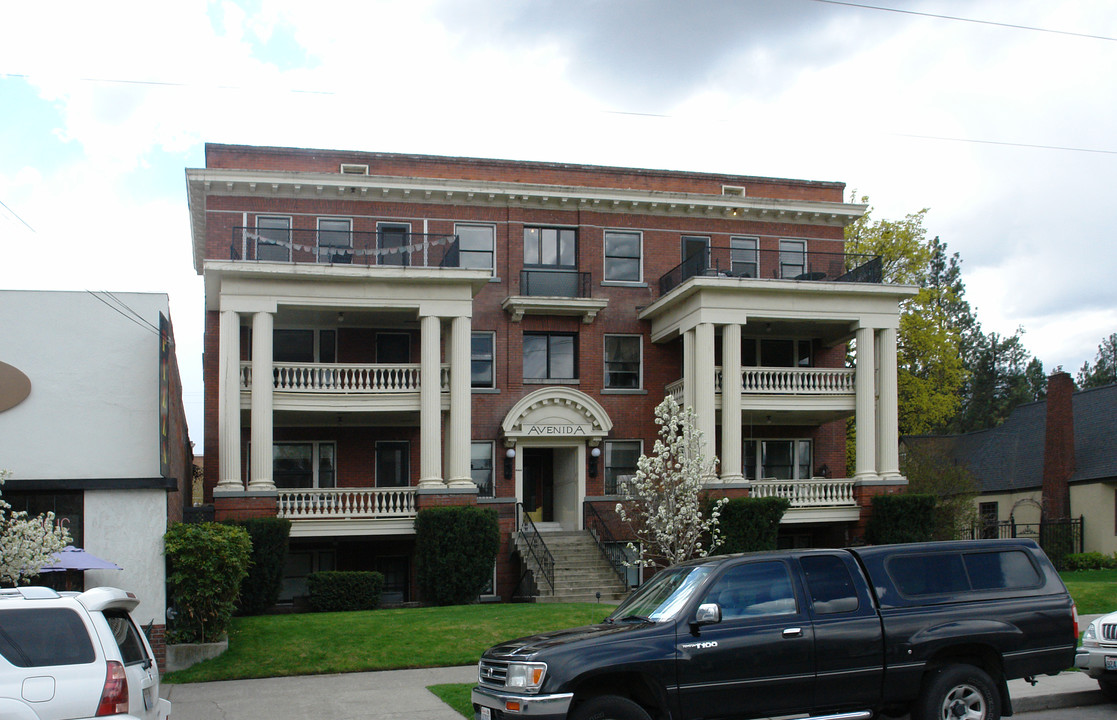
x=385, y=332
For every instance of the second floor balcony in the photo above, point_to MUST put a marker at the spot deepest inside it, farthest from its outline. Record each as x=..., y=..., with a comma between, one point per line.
x=389, y=247
x=783, y=381
x=354, y=386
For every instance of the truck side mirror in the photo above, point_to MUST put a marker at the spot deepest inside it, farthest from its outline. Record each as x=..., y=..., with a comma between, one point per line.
x=708, y=614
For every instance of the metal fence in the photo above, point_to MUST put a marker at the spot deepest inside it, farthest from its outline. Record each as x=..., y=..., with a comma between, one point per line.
x=1058, y=538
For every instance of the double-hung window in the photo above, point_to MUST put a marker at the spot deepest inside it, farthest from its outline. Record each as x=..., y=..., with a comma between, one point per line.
x=304, y=464
x=793, y=258
x=743, y=258
x=481, y=467
x=620, y=463
x=779, y=459
x=392, y=240
x=335, y=238
x=476, y=246
x=550, y=356
x=622, y=256
x=622, y=362
x=481, y=360
x=274, y=241
x=393, y=463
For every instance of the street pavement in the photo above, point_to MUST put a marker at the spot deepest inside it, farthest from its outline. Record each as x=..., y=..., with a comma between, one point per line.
x=402, y=694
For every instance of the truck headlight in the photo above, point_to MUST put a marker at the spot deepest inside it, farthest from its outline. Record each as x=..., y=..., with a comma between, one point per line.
x=527, y=677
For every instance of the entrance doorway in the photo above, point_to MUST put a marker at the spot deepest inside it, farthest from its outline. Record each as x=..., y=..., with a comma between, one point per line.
x=550, y=485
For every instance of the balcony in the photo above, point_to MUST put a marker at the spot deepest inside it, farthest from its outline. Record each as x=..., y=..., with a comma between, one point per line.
x=814, y=500
x=554, y=291
x=774, y=264
x=799, y=395
x=329, y=386
x=348, y=511
x=382, y=248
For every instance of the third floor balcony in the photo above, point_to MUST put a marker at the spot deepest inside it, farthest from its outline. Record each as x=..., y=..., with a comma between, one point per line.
x=792, y=262
x=387, y=247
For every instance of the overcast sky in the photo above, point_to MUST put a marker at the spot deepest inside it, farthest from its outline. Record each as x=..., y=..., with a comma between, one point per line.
x=1006, y=133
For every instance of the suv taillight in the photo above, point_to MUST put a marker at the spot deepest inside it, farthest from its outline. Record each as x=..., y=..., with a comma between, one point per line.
x=114, y=696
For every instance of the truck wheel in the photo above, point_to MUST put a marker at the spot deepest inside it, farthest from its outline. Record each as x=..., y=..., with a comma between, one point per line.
x=1108, y=688
x=958, y=692
x=609, y=707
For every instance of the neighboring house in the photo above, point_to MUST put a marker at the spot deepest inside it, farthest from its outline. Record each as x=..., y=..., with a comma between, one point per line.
x=92, y=428
x=388, y=332
x=1049, y=461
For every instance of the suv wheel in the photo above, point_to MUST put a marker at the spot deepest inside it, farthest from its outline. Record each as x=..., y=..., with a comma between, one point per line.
x=609, y=707
x=958, y=692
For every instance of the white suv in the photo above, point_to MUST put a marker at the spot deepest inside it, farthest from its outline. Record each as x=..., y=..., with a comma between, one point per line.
x=1098, y=653
x=75, y=655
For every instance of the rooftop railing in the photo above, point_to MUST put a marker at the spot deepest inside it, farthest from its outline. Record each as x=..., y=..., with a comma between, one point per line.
x=382, y=248
x=777, y=264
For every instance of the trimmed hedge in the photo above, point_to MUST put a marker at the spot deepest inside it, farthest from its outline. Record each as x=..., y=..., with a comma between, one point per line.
x=205, y=565
x=749, y=524
x=905, y=518
x=456, y=548
x=338, y=591
x=1089, y=561
x=259, y=591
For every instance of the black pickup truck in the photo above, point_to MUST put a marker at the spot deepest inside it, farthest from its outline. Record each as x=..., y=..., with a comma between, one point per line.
x=931, y=629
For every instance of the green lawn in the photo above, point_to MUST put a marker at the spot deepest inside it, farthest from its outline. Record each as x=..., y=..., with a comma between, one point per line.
x=313, y=643
x=456, y=695
x=1094, y=591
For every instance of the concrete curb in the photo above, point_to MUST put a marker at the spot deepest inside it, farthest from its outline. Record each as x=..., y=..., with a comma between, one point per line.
x=1058, y=701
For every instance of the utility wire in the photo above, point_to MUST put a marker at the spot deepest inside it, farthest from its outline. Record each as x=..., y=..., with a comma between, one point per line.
x=168, y=83
x=1007, y=144
x=14, y=214
x=142, y=323
x=127, y=308
x=964, y=19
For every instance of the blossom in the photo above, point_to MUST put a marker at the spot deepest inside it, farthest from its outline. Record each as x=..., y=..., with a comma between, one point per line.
x=27, y=543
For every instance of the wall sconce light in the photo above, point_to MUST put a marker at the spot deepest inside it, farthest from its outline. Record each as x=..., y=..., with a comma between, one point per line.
x=509, y=463
x=595, y=453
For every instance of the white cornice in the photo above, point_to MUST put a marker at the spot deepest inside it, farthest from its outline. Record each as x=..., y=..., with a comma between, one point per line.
x=203, y=183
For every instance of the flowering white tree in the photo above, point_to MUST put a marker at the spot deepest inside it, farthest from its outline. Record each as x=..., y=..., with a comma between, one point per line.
x=662, y=503
x=26, y=543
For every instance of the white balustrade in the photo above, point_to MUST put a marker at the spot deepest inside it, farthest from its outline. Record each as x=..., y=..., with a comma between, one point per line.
x=346, y=503
x=816, y=492
x=345, y=377
x=783, y=381
x=675, y=390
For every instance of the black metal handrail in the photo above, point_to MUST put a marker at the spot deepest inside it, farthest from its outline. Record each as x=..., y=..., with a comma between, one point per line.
x=386, y=248
x=554, y=282
x=779, y=264
x=1058, y=538
x=536, y=546
x=610, y=549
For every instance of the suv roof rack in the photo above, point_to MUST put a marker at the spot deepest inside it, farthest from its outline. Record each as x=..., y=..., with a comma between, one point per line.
x=33, y=592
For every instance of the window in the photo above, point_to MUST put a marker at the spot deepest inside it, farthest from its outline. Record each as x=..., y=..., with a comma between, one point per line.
x=622, y=256
x=303, y=464
x=776, y=352
x=334, y=234
x=1010, y=569
x=743, y=257
x=622, y=361
x=482, y=360
x=550, y=356
x=304, y=346
x=793, y=258
x=754, y=590
x=928, y=574
x=990, y=517
x=476, y=246
x=550, y=246
x=696, y=251
x=779, y=459
x=830, y=584
x=274, y=244
x=127, y=636
x=44, y=636
x=393, y=463
x=389, y=237
x=481, y=467
x=620, y=463
x=393, y=347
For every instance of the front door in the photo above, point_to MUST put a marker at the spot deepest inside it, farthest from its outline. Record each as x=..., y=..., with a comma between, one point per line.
x=539, y=484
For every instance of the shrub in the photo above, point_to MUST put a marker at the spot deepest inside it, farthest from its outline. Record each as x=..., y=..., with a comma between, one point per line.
x=750, y=524
x=259, y=591
x=901, y=519
x=1089, y=561
x=337, y=591
x=456, y=548
x=205, y=565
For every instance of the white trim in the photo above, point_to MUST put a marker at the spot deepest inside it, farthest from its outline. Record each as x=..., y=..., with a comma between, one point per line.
x=353, y=169
x=605, y=362
x=492, y=465
x=734, y=190
x=394, y=224
x=478, y=224
x=318, y=235
x=748, y=472
x=755, y=239
x=605, y=256
x=604, y=454
x=492, y=339
x=290, y=233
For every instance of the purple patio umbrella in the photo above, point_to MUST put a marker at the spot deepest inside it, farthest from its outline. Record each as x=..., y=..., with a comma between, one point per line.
x=74, y=558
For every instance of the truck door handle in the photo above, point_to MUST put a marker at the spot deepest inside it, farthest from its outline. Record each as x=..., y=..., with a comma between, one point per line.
x=793, y=632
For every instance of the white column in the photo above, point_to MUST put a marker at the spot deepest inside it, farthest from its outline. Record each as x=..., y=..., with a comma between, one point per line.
x=430, y=405
x=458, y=452
x=704, y=386
x=228, y=403
x=865, y=407
x=731, y=404
x=262, y=387
x=888, y=417
x=688, y=369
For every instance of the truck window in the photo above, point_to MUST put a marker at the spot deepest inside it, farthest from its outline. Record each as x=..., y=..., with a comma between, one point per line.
x=1005, y=570
x=754, y=590
x=829, y=583
x=937, y=574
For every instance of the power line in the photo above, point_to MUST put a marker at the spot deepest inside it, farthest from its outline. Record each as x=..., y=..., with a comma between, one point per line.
x=129, y=317
x=14, y=214
x=1007, y=144
x=964, y=19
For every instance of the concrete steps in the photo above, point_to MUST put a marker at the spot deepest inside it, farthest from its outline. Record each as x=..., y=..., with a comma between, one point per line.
x=580, y=571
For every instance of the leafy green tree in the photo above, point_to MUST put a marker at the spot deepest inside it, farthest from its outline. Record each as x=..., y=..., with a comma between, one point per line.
x=930, y=471
x=1104, y=369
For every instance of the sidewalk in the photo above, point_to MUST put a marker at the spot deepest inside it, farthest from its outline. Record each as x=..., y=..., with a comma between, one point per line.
x=402, y=695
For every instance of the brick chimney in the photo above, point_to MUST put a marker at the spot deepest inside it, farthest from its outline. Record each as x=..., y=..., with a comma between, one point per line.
x=1058, y=447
